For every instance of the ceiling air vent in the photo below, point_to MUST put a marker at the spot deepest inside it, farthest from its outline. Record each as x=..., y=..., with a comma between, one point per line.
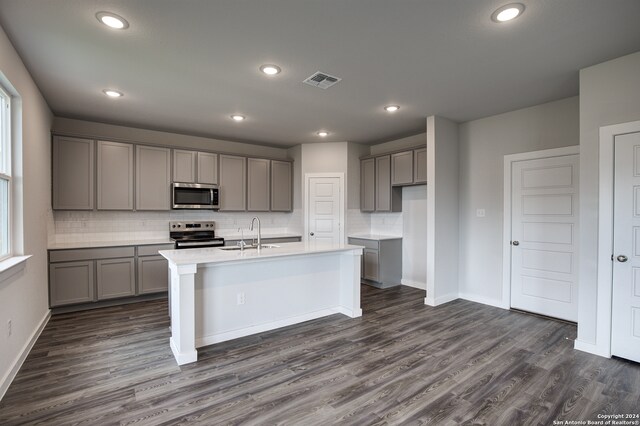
x=321, y=80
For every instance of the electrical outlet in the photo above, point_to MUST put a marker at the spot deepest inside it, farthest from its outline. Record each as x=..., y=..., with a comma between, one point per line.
x=480, y=213
x=241, y=298
x=9, y=326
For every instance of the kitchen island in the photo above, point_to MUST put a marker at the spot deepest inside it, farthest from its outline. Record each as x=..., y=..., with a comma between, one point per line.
x=219, y=294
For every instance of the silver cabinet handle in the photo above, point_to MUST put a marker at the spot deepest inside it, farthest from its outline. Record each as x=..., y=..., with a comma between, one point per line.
x=622, y=258
x=515, y=243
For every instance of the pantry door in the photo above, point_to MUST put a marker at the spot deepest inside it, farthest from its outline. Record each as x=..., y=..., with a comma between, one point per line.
x=544, y=231
x=625, y=321
x=324, y=208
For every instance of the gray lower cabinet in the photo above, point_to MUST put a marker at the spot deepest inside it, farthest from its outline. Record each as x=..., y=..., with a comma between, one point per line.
x=258, y=185
x=71, y=282
x=368, y=185
x=233, y=187
x=381, y=261
x=402, y=168
x=281, y=186
x=115, y=278
x=420, y=165
x=72, y=173
x=153, y=179
x=153, y=274
x=115, y=175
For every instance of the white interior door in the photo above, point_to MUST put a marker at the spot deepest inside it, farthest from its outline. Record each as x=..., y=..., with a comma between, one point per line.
x=625, y=321
x=324, y=205
x=544, y=230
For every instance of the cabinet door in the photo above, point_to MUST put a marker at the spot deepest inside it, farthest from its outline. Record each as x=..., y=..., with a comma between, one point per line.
x=258, y=187
x=153, y=168
x=115, y=278
x=153, y=274
x=402, y=168
x=233, y=183
x=207, y=168
x=281, y=186
x=115, y=176
x=383, y=183
x=72, y=167
x=184, y=166
x=420, y=165
x=368, y=185
x=70, y=282
x=370, y=262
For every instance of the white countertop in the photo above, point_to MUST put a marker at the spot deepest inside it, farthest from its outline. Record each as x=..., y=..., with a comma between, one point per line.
x=218, y=255
x=252, y=235
x=376, y=237
x=114, y=243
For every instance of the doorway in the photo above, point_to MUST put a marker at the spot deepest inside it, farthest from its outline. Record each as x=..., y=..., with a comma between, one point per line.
x=541, y=230
x=324, y=207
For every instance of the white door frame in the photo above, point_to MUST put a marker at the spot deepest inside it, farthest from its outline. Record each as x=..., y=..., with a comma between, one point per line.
x=506, y=233
x=604, y=287
x=307, y=179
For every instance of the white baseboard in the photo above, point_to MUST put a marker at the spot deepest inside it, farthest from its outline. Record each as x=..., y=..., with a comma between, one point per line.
x=591, y=348
x=440, y=300
x=247, y=331
x=353, y=313
x=481, y=299
x=414, y=284
x=17, y=363
x=182, y=357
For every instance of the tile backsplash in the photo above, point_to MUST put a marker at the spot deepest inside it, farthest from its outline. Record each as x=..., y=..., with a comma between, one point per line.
x=386, y=223
x=84, y=226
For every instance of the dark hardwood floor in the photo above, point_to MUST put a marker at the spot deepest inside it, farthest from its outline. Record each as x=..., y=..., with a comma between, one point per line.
x=401, y=363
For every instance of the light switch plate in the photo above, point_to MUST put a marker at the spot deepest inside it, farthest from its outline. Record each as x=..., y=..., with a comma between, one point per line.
x=480, y=213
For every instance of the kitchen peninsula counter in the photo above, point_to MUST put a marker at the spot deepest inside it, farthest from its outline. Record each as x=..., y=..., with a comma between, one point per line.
x=218, y=295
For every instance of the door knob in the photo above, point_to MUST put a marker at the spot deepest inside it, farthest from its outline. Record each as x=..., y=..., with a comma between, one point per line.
x=515, y=243
x=622, y=258
x=311, y=233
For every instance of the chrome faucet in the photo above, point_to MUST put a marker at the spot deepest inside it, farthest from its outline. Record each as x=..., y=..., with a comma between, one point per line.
x=259, y=246
x=242, y=244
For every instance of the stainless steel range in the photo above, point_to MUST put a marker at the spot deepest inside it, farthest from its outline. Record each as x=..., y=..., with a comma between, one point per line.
x=194, y=235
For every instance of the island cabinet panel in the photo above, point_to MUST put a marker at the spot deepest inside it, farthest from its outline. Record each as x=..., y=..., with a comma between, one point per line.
x=233, y=183
x=368, y=185
x=420, y=165
x=281, y=186
x=258, y=188
x=153, y=178
x=184, y=166
x=207, y=168
x=73, y=173
x=153, y=274
x=115, y=176
x=70, y=283
x=115, y=278
x=402, y=168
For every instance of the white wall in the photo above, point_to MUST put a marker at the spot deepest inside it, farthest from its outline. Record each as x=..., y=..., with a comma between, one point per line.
x=414, y=236
x=483, y=145
x=442, y=211
x=24, y=297
x=609, y=94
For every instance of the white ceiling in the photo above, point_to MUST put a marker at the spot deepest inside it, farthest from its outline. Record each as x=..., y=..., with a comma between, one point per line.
x=185, y=66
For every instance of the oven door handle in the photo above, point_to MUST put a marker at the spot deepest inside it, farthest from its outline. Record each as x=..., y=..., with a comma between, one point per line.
x=200, y=243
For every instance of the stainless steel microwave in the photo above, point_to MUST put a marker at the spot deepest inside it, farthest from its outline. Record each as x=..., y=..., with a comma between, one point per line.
x=195, y=196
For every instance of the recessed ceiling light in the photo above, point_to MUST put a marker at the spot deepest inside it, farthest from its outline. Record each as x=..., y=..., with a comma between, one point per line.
x=238, y=117
x=323, y=134
x=391, y=108
x=113, y=93
x=270, y=69
x=507, y=12
x=112, y=20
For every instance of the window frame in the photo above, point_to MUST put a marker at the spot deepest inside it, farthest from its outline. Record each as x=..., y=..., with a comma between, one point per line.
x=5, y=164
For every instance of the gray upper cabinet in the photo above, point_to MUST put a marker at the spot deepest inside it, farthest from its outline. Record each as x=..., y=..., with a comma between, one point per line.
x=73, y=171
x=153, y=169
x=115, y=176
x=281, y=186
x=184, y=166
x=402, y=168
x=388, y=199
x=207, y=168
x=420, y=165
x=233, y=175
x=368, y=185
x=258, y=187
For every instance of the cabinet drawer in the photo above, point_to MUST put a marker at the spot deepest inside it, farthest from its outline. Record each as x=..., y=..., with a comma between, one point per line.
x=90, y=254
x=153, y=249
x=370, y=244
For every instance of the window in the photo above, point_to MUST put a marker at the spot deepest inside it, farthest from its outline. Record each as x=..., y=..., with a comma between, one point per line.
x=5, y=173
